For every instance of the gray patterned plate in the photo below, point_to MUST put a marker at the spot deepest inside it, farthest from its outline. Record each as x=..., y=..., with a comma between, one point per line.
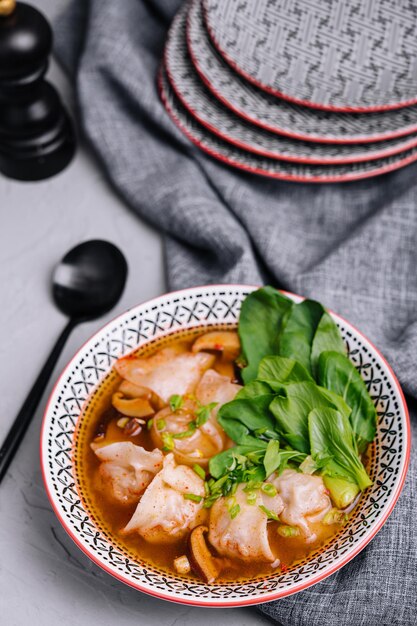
x=350, y=55
x=284, y=170
x=283, y=117
x=200, y=102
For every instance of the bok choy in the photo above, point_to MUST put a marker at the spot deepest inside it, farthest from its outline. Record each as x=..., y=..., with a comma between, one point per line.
x=303, y=403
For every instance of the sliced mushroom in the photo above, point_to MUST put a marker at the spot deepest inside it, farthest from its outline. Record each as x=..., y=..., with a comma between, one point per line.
x=133, y=427
x=225, y=341
x=132, y=407
x=130, y=390
x=203, y=562
x=226, y=368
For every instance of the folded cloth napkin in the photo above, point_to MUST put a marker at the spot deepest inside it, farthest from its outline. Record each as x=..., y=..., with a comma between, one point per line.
x=352, y=246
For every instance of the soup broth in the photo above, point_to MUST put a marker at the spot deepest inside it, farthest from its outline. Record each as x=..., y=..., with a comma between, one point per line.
x=100, y=417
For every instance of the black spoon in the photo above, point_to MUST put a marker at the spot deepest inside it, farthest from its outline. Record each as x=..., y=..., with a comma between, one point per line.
x=87, y=283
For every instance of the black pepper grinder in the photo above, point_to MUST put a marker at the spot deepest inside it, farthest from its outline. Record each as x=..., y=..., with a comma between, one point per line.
x=36, y=135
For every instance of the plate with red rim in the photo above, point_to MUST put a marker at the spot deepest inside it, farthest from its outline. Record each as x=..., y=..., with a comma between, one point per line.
x=211, y=113
x=278, y=115
x=350, y=56
x=272, y=168
x=200, y=307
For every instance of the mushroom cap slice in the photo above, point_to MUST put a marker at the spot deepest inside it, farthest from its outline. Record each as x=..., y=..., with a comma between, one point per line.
x=225, y=341
x=203, y=562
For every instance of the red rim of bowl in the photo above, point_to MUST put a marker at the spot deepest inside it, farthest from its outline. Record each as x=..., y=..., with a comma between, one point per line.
x=280, y=94
x=387, y=152
x=233, y=603
x=282, y=131
x=287, y=177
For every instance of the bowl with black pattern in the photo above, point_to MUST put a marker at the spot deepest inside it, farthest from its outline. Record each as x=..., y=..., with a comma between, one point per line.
x=189, y=310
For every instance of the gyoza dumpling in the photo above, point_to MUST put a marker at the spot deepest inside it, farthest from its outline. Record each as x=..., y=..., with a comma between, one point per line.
x=206, y=440
x=163, y=514
x=214, y=387
x=245, y=536
x=305, y=498
x=170, y=371
x=126, y=470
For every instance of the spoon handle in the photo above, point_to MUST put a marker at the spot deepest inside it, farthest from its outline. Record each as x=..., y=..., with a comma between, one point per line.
x=21, y=423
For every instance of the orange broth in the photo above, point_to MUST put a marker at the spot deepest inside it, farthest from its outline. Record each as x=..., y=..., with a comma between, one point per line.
x=111, y=517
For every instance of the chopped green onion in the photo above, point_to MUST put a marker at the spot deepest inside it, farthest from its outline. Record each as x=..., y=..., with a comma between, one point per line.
x=268, y=513
x=208, y=502
x=167, y=441
x=193, y=497
x=175, y=402
x=252, y=484
x=160, y=424
x=203, y=413
x=288, y=531
x=123, y=421
x=199, y=471
x=149, y=424
x=234, y=510
x=186, y=433
x=219, y=483
x=251, y=497
x=269, y=489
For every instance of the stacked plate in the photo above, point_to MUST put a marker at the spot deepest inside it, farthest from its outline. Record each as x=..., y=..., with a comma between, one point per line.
x=306, y=90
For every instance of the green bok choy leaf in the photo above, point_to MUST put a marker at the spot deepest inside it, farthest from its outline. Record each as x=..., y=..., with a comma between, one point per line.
x=337, y=373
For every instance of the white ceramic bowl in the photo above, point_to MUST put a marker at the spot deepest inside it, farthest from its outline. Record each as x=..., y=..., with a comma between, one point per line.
x=197, y=308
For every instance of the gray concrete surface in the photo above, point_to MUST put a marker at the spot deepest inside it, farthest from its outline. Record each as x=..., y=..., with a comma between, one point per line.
x=44, y=578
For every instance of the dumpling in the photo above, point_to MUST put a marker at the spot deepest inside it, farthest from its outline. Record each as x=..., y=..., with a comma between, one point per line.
x=246, y=535
x=198, y=445
x=163, y=514
x=170, y=371
x=214, y=387
x=206, y=440
x=305, y=498
x=126, y=470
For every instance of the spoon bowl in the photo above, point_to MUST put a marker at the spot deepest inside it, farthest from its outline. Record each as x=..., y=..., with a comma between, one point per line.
x=89, y=280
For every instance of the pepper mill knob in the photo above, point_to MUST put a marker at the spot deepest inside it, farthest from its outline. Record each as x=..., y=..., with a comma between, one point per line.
x=36, y=134
x=7, y=6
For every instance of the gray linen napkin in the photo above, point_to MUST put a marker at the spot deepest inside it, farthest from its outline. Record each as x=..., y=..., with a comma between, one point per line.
x=351, y=246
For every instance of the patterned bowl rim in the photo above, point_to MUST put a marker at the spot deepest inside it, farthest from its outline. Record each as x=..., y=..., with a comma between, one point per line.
x=296, y=178
x=280, y=94
x=224, y=602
